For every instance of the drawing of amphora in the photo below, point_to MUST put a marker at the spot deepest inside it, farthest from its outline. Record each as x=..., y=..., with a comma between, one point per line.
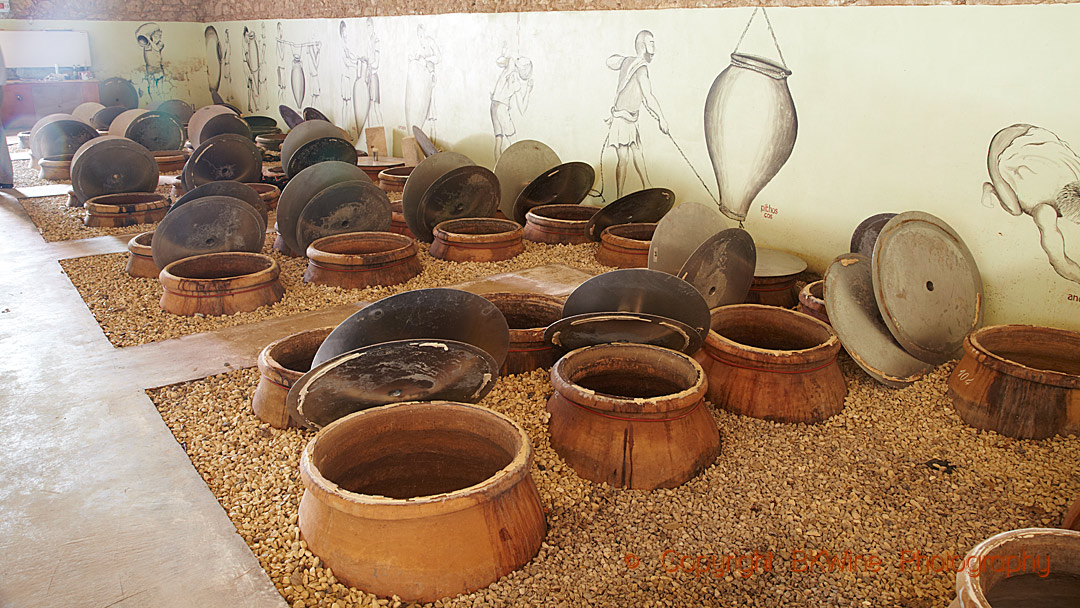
x=750, y=129
x=361, y=97
x=418, y=89
x=298, y=81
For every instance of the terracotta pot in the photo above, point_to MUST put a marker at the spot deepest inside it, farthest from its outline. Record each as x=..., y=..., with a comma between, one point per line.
x=563, y=224
x=1026, y=567
x=269, y=193
x=812, y=301
x=1019, y=380
x=773, y=363
x=140, y=261
x=528, y=315
x=24, y=140
x=1071, y=521
x=393, y=179
x=477, y=239
x=220, y=284
x=397, y=220
x=355, y=260
x=281, y=246
x=270, y=141
x=421, y=500
x=56, y=168
x=170, y=161
x=625, y=245
x=281, y=364
x=774, y=291
x=126, y=209
x=632, y=415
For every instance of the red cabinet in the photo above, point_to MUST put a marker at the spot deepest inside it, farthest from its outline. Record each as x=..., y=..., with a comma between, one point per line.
x=25, y=101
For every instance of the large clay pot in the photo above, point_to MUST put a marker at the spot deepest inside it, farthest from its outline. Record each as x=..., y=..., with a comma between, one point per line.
x=140, y=262
x=625, y=245
x=1019, y=380
x=282, y=363
x=477, y=239
x=394, y=178
x=750, y=128
x=632, y=416
x=774, y=291
x=528, y=315
x=269, y=193
x=812, y=301
x=421, y=500
x=220, y=284
x=773, y=363
x=1026, y=567
x=56, y=168
x=398, y=225
x=125, y=209
x=563, y=224
x=170, y=161
x=355, y=260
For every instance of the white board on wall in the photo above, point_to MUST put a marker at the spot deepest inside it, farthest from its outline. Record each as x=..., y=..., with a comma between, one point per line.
x=45, y=48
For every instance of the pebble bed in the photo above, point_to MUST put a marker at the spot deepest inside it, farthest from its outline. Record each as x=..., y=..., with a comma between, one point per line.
x=897, y=476
x=58, y=222
x=129, y=313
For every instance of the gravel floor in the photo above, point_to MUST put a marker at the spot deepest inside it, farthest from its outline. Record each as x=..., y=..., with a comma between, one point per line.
x=128, y=311
x=58, y=222
x=858, y=482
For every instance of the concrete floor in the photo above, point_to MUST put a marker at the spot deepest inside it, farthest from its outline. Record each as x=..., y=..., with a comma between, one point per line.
x=100, y=507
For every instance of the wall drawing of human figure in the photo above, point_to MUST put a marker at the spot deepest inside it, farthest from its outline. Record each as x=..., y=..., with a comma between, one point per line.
x=226, y=62
x=420, y=84
x=371, y=77
x=314, y=49
x=151, y=41
x=511, y=91
x=253, y=66
x=1034, y=173
x=360, y=95
x=297, y=78
x=633, y=91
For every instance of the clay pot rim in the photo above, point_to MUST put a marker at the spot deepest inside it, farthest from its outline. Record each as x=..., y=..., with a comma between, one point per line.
x=168, y=154
x=152, y=200
x=538, y=213
x=270, y=367
x=403, y=248
x=267, y=273
x=646, y=407
x=263, y=187
x=58, y=160
x=136, y=245
x=973, y=590
x=815, y=354
x=526, y=334
x=812, y=286
x=973, y=346
x=395, y=174
x=613, y=236
x=368, y=506
x=444, y=231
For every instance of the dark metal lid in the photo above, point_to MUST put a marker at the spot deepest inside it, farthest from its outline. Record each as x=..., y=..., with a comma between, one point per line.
x=179, y=109
x=199, y=119
x=644, y=206
x=437, y=313
x=426, y=173
x=223, y=157
x=589, y=329
x=103, y=118
x=299, y=191
x=118, y=92
x=927, y=285
x=866, y=233
x=470, y=191
x=354, y=206
x=391, y=372
x=680, y=232
x=290, y=116
x=722, y=268
x=61, y=136
x=518, y=165
x=854, y=315
x=230, y=188
x=156, y=131
x=210, y=224
x=566, y=184
x=112, y=165
x=319, y=151
x=309, y=131
x=425, y=143
x=641, y=290
x=311, y=113
x=225, y=123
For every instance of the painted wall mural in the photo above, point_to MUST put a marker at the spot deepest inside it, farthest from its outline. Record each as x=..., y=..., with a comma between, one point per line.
x=420, y=83
x=1034, y=173
x=511, y=92
x=254, y=62
x=214, y=62
x=298, y=78
x=155, y=82
x=361, y=94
